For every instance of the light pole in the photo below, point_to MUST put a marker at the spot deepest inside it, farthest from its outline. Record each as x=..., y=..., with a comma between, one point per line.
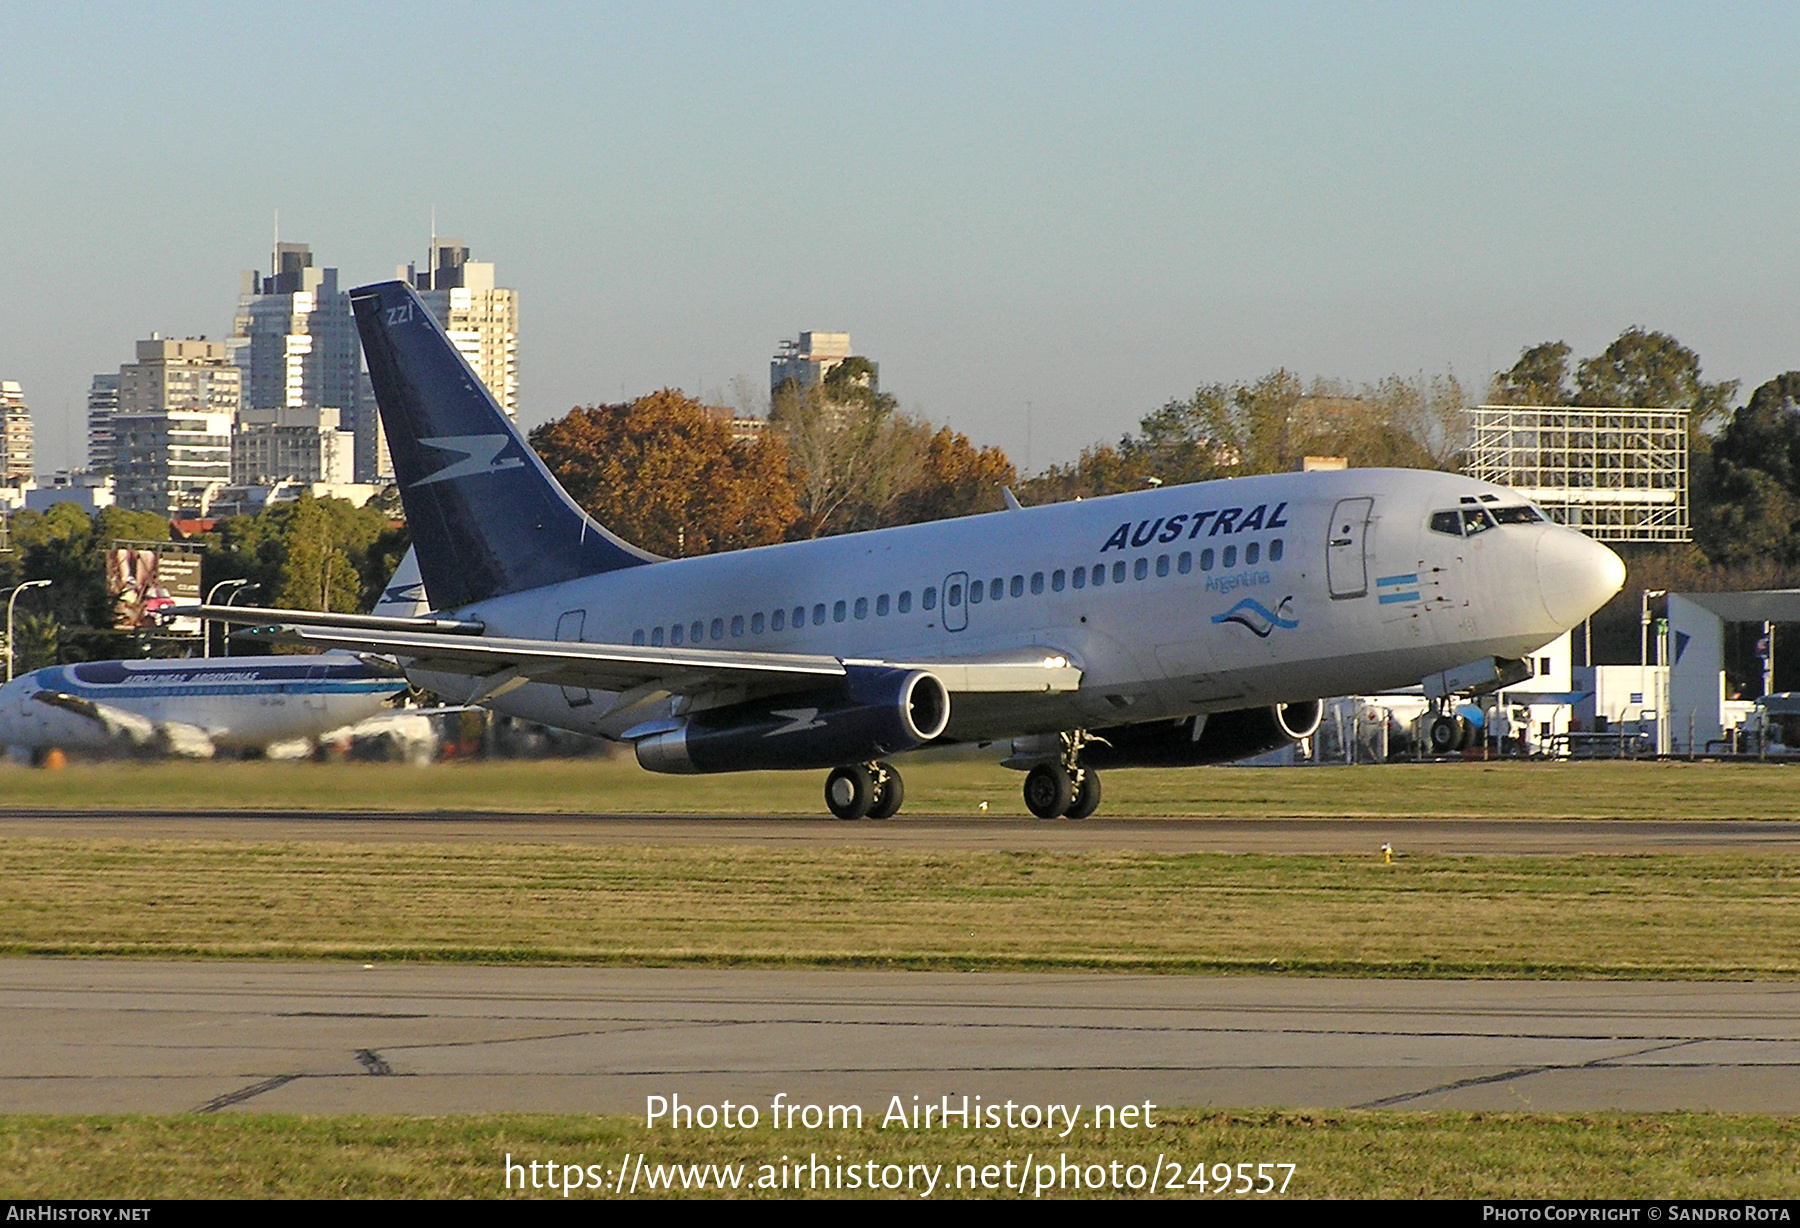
x=15, y=591
x=206, y=623
x=1644, y=658
x=246, y=587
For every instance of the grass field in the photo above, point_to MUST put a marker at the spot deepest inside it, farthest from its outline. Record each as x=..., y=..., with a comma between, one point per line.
x=1657, y=916
x=1342, y=1155
x=619, y=786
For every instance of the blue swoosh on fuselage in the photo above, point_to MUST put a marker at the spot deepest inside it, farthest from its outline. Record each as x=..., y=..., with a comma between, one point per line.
x=1269, y=619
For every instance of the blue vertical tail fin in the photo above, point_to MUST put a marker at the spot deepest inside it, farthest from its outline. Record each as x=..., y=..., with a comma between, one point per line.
x=487, y=518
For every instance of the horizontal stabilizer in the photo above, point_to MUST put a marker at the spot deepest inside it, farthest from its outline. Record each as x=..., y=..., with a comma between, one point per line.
x=265, y=616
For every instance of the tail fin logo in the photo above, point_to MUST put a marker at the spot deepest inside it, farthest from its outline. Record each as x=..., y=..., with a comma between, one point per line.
x=1258, y=619
x=480, y=454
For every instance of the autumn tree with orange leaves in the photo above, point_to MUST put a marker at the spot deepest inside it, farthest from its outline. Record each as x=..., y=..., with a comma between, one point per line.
x=665, y=475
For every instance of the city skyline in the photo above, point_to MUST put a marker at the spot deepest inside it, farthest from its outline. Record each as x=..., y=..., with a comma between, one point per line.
x=1090, y=211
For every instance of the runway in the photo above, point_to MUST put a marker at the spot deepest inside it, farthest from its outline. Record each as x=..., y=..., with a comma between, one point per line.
x=91, y=1036
x=1473, y=836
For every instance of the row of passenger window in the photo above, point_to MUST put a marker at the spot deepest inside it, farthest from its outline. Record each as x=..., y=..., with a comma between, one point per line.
x=954, y=595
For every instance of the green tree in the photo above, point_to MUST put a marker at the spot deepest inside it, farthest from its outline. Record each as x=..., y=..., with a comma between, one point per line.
x=1540, y=377
x=854, y=456
x=39, y=637
x=1747, y=501
x=310, y=554
x=1652, y=370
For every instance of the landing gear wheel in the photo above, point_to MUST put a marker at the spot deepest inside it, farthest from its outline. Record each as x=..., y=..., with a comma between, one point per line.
x=889, y=793
x=1087, y=796
x=1048, y=791
x=849, y=791
x=1444, y=735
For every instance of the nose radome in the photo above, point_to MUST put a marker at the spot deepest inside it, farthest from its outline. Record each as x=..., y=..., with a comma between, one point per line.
x=1576, y=575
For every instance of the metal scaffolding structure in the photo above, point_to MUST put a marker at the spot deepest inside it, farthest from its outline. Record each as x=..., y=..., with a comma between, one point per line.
x=1615, y=473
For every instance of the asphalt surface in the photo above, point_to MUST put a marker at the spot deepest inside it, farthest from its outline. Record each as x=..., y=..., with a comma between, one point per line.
x=1223, y=835
x=92, y=1036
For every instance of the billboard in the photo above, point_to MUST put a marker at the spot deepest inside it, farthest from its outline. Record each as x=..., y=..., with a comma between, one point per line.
x=143, y=579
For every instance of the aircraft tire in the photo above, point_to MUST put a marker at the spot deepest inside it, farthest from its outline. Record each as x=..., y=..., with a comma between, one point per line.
x=1048, y=791
x=1087, y=797
x=1444, y=735
x=849, y=792
x=892, y=794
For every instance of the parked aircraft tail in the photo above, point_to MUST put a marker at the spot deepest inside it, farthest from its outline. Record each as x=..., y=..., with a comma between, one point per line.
x=487, y=518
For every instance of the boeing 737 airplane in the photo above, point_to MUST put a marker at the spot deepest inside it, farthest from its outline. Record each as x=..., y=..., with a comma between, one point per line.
x=189, y=707
x=1178, y=626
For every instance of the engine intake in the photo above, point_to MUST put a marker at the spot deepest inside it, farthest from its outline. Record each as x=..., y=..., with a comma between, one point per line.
x=872, y=713
x=1222, y=737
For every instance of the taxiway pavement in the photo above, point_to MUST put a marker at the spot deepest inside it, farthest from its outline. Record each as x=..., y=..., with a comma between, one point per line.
x=108, y=1036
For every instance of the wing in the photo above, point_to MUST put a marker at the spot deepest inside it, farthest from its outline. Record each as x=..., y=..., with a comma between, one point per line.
x=113, y=722
x=496, y=664
x=128, y=729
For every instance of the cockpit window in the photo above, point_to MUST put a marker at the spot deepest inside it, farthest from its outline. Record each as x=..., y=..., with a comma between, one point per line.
x=1522, y=513
x=1447, y=522
x=1475, y=520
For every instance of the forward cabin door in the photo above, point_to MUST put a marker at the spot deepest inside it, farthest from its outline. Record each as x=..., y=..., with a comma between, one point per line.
x=314, y=698
x=1346, y=559
x=568, y=631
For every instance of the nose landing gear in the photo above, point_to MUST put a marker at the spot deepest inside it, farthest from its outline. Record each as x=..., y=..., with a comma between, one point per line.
x=865, y=790
x=1064, y=788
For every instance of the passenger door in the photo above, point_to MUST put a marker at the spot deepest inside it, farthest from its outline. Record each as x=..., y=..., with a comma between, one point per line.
x=568, y=631
x=313, y=700
x=1346, y=562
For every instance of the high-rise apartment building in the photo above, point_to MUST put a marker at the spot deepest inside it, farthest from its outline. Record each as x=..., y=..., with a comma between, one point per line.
x=808, y=360
x=482, y=319
x=172, y=430
x=295, y=340
x=305, y=445
x=15, y=435
x=102, y=405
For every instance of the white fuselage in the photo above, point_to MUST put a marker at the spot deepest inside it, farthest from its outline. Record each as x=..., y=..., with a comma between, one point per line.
x=232, y=701
x=1209, y=597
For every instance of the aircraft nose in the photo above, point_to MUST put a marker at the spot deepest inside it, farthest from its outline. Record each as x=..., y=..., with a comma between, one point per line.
x=1576, y=575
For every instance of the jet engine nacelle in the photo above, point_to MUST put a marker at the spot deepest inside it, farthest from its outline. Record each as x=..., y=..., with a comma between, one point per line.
x=1224, y=737
x=874, y=712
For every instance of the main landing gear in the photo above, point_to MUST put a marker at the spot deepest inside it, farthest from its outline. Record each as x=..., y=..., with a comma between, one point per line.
x=1063, y=788
x=865, y=791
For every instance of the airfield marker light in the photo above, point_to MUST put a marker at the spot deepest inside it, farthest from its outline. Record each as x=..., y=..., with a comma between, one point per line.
x=1387, y=854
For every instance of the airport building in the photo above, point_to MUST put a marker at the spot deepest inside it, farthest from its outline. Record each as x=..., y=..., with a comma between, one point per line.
x=15, y=434
x=172, y=430
x=295, y=340
x=482, y=319
x=102, y=405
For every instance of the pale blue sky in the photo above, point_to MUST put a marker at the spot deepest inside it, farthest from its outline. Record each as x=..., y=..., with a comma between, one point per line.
x=1089, y=208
